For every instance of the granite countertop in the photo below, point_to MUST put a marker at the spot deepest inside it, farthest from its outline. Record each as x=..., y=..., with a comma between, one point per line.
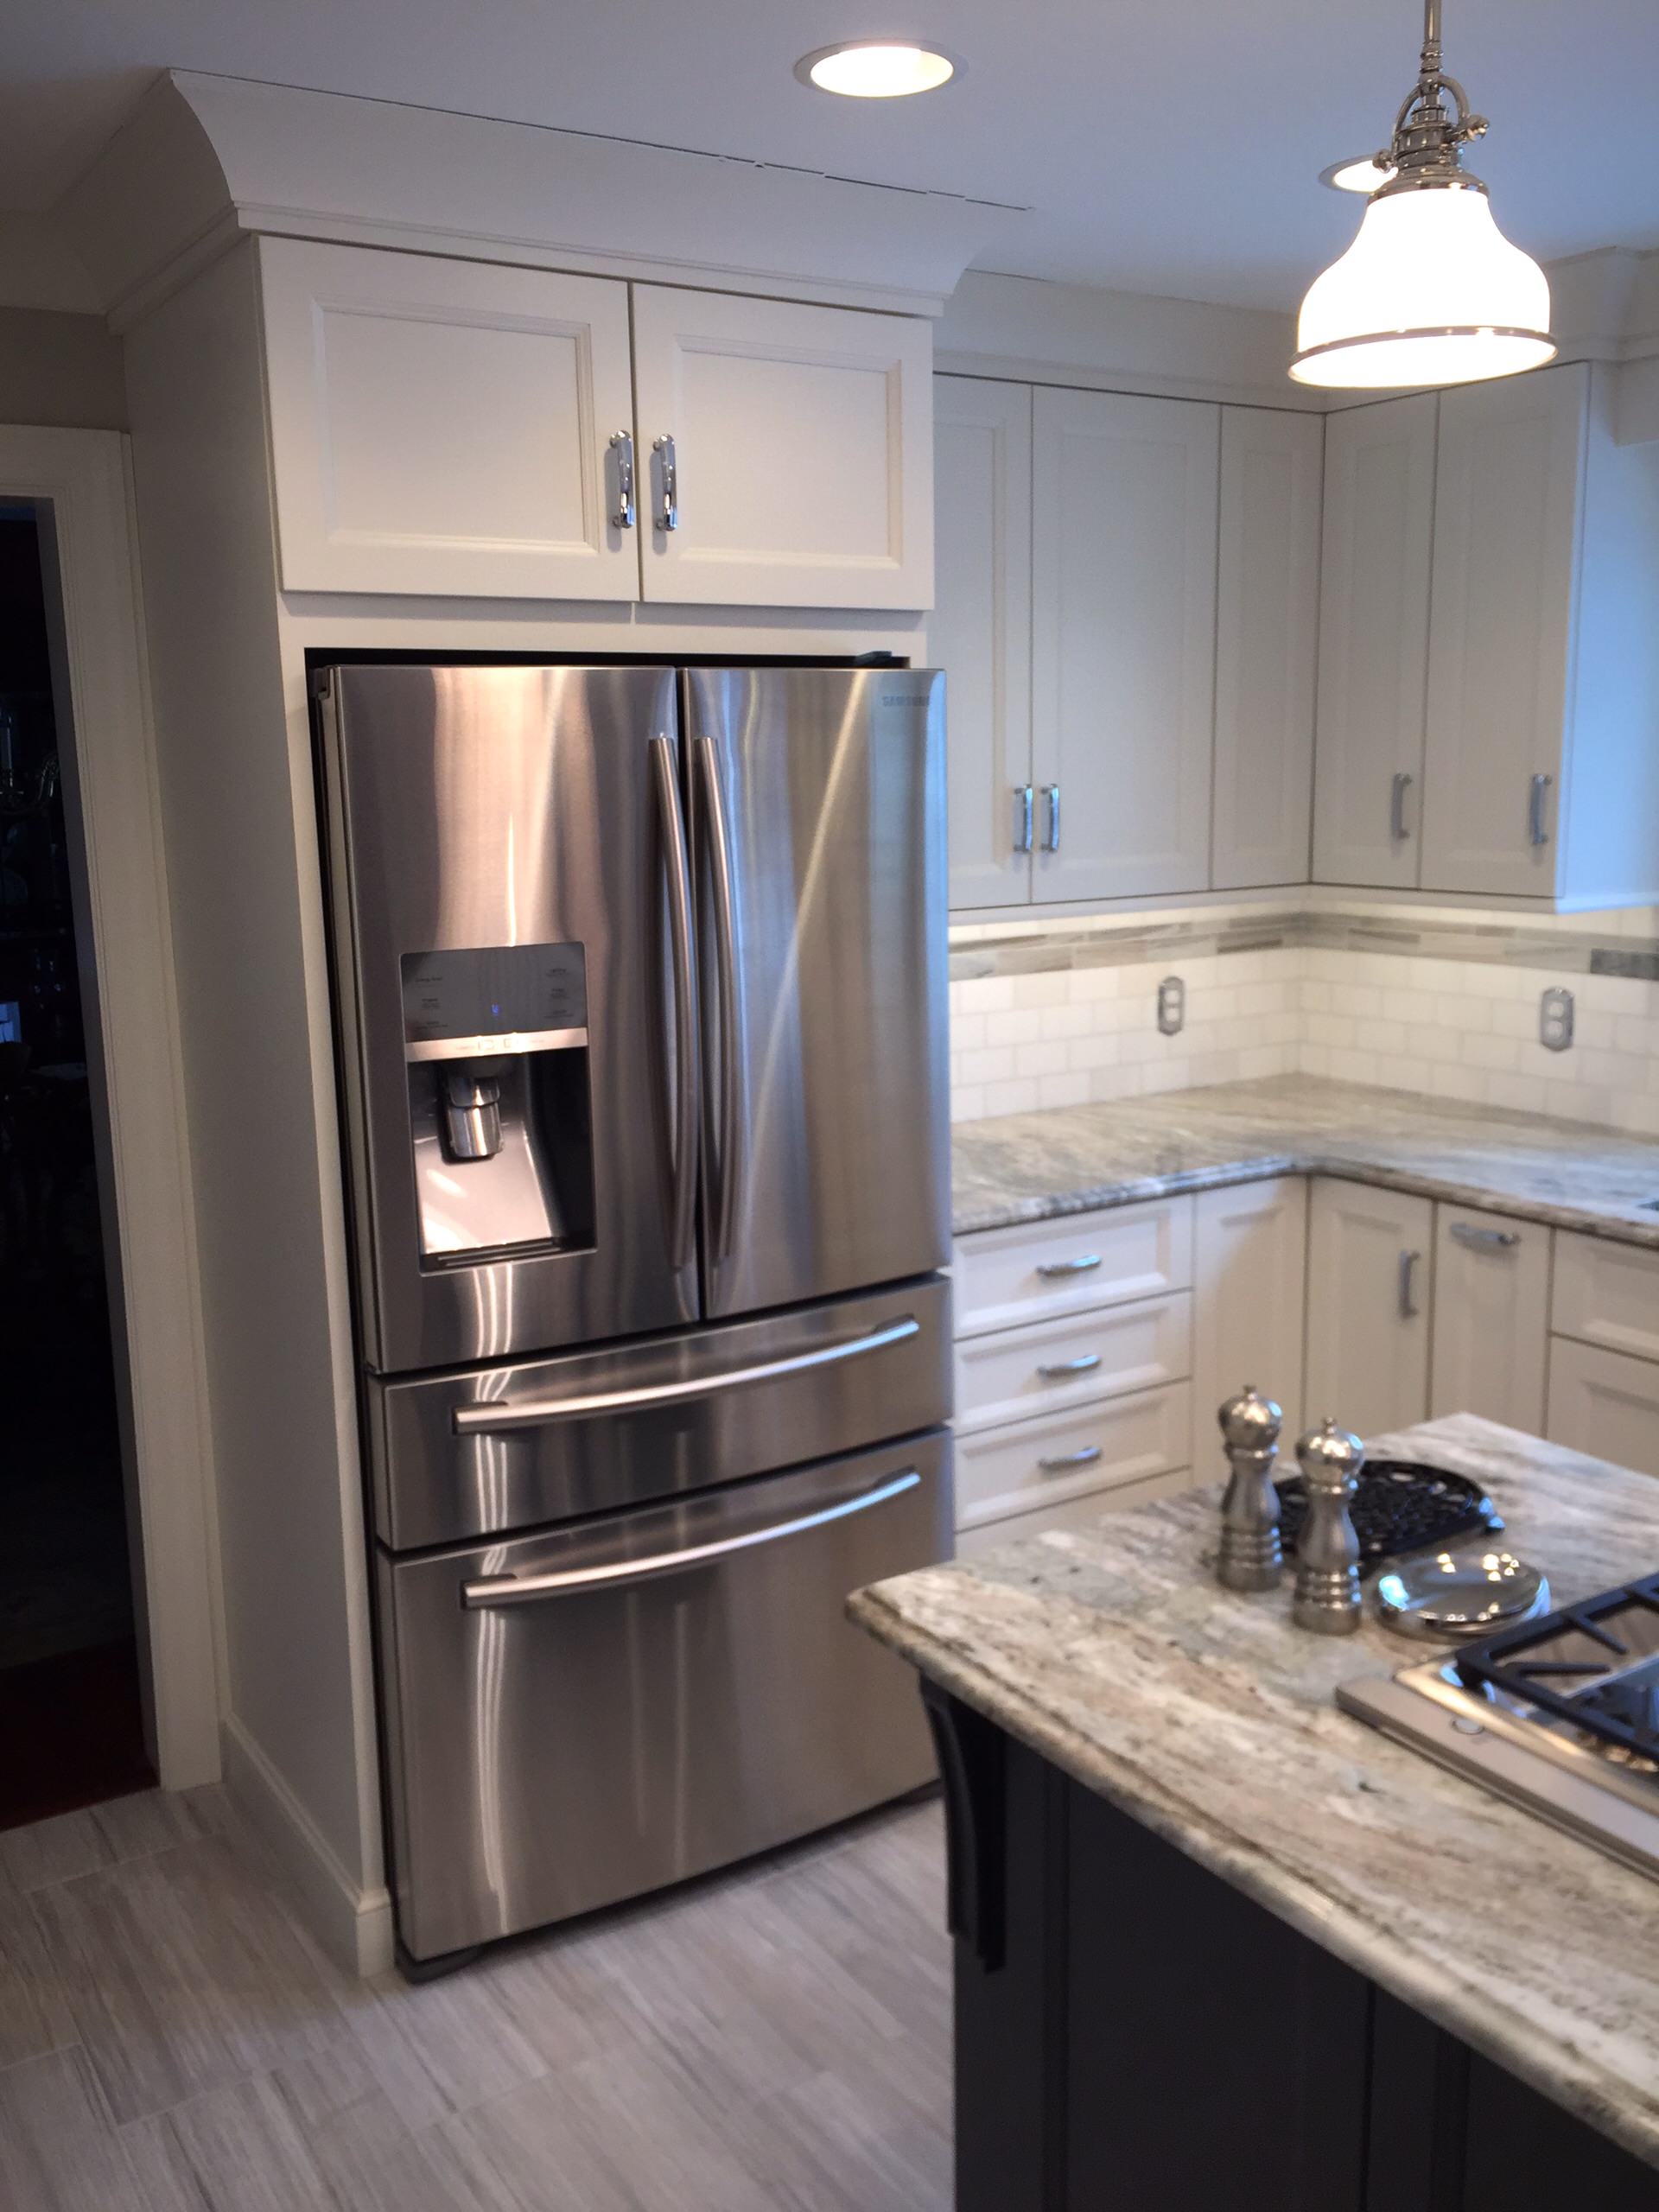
x=1113, y=1652
x=1074, y=1159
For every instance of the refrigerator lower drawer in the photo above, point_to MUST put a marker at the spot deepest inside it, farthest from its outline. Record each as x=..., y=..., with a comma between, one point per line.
x=586, y=1714
x=458, y=1457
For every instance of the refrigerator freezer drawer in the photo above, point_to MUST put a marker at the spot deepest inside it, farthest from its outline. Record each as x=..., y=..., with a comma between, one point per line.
x=582, y=1717
x=460, y=1456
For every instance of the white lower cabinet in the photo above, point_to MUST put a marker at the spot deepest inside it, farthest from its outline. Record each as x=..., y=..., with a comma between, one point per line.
x=1369, y=1258
x=1491, y=1317
x=1249, y=1270
x=1605, y=1403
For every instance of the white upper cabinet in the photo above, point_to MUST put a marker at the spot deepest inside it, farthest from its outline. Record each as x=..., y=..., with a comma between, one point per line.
x=1124, y=493
x=1267, y=635
x=444, y=426
x=1379, y=526
x=980, y=633
x=1507, y=510
x=785, y=452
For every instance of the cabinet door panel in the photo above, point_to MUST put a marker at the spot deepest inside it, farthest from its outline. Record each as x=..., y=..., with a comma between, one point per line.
x=1367, y=1308
x=1379, y=522
x=1267, y=636
x=1605, y=1403
x=1506, y=527
x=1123, y=587
x=1491, y=1317
x=1248, y=1307
x=979, y=634
x=803, y=445
x=443, y=426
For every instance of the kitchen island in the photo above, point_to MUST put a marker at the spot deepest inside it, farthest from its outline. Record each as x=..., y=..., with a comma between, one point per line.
x=1216, y=1943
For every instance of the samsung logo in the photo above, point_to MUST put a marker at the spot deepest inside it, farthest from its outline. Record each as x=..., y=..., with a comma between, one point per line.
x=898, y=698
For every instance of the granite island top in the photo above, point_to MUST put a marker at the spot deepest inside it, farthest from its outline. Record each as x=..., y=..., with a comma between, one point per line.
x=1112, y=1651
x=1074, y=1159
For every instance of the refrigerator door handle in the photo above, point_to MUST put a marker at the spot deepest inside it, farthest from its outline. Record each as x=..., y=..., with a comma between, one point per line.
x=727, y=1150
x=624, y=1574
x=682, y=1217
x=480, y=1420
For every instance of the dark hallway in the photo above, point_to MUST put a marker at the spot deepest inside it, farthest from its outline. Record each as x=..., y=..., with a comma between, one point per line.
x=70, y=1723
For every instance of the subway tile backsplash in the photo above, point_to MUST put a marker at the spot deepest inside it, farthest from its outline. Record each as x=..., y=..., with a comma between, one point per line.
x=1440, y=1001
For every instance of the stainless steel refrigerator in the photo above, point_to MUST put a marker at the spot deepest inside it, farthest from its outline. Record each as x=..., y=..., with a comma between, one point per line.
x=640, y=996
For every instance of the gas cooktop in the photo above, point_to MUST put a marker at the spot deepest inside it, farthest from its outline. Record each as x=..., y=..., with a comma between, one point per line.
x=1559, y=1715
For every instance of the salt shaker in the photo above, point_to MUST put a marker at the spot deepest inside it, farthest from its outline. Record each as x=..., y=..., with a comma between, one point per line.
x=1251, y=1557
x=1327, y=1599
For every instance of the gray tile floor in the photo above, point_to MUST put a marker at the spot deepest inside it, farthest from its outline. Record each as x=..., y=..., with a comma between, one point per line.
x=774, y=2040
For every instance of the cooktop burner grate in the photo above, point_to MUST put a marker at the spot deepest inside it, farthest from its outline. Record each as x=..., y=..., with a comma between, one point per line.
x=1594, y=1665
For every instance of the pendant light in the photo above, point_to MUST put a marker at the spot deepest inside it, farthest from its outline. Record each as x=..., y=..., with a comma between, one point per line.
x=1430, y=291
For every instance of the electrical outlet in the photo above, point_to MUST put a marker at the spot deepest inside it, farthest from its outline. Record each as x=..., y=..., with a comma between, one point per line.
x=1555, y=1020
x=1171, y=1006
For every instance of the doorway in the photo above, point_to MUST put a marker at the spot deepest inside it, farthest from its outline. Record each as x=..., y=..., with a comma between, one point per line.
x=71, y=1729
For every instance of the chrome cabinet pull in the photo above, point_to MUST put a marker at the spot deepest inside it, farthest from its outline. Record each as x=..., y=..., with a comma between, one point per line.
x=728, y=1154
x=1024, y=817
x=1397, y=829
x=1051, y=835
x=1537, y=795
x=687, y=1086
x=668, y=508
x=486, y=1418
x=1484, y=1239
x=623, y=1573
x=1086, y=1457
x=622, y=447
x=1050, y=1268
x=1056, y=1370
x=1409, y=1308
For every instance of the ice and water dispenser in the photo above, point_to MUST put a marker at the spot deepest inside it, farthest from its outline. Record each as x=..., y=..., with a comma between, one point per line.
x=495, y=1040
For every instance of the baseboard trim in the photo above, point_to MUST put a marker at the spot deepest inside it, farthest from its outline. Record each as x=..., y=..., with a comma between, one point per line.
x=353, y=1924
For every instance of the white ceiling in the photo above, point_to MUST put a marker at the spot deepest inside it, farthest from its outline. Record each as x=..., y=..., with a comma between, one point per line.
x=1170, y=146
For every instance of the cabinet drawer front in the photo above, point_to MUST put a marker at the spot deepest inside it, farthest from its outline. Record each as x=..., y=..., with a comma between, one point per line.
x=1036, y=1462
x=1083, y=1512
x=1606, y=1293
x=1605, y=1403
x=1040, y=1270
x=1059, y=1365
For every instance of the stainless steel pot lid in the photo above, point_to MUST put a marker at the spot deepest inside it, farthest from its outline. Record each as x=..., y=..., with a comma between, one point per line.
x=1466, y=1590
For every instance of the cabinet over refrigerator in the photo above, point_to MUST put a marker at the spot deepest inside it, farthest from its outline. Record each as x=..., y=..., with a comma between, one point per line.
x=640, y=996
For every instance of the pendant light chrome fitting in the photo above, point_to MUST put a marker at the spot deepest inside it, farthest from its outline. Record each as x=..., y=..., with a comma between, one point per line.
x=1430, y=291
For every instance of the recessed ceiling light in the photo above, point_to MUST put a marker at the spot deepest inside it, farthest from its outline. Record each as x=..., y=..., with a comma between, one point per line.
x=877, y=68
x=1366, y=173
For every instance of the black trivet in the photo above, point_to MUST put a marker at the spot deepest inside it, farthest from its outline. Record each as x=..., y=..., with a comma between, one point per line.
x=1400, y=1506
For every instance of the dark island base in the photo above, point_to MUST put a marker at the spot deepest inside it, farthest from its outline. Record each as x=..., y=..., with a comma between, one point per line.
x=1132, y=2032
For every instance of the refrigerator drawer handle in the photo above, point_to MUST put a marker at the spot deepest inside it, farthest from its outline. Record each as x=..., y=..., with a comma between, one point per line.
x=539, y=1413
x=687, y=1079
x=624, y=1574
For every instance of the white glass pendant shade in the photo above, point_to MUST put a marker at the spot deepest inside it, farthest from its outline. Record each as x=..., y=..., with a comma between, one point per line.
x=1431, y=292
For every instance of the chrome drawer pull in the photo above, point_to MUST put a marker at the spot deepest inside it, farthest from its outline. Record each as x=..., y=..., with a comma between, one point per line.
x=1537, y=793
x=622, y=1573
x=1484, y=1239
x=1023, y=822
x=1057, y=1370
x=536, y=1412
x=1086, y=1457
x=1051, y=1269
x=622, y=447
x=1409, y=1309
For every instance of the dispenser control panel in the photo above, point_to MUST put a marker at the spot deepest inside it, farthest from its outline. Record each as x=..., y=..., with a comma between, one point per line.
x=463, y=1002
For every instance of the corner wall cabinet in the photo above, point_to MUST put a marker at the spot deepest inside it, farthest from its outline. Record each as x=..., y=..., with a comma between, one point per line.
x=1128, y=595
x=1485, y=668
x=460, y=428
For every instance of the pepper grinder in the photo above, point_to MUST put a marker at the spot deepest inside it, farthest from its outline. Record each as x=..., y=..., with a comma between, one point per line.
x=1251, y=1557
x=1328, y=1599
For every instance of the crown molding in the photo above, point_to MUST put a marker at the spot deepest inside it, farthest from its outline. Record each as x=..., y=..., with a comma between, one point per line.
x=203, y=161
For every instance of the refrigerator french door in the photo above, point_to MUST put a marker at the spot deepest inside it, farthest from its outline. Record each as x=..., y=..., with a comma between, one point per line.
x=639, y=979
